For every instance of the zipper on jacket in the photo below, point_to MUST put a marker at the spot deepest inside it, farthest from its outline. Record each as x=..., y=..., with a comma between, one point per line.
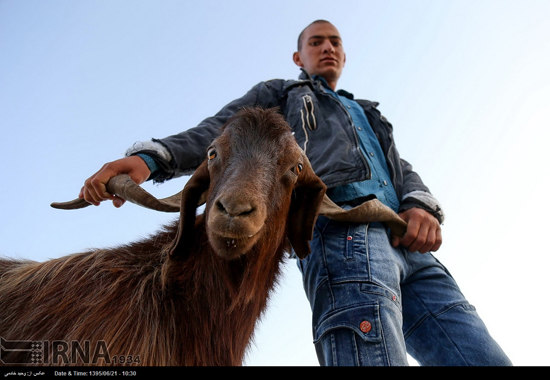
x=305, y=131
x=310, y=115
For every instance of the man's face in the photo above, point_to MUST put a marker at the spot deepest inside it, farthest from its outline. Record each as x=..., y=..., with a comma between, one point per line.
x=322, y=52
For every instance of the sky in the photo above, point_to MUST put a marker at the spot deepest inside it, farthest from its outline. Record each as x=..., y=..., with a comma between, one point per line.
x=464, y=83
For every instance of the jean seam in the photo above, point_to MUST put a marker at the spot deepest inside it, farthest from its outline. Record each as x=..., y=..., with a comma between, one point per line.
x=384, y=292
x=333, y=349
x=435, y=316
x=367, y=252
x=327, y=280
x=384, y=343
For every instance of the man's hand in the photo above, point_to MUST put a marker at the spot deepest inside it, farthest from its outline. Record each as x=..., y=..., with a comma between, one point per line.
x=423, y=232
x=94, y=190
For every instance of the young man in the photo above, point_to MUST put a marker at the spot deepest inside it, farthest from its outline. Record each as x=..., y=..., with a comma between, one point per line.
x=373, y=296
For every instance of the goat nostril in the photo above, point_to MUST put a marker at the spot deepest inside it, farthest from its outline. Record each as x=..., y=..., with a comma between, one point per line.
x=243, y=210
x=234, y=209
x=247, y=212
x=220, y=207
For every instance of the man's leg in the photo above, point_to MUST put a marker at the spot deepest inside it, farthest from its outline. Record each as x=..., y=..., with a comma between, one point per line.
x=440, y=326
x=352, y=281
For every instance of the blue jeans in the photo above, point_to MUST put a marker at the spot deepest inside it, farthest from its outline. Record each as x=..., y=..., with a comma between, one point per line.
x=372, y=303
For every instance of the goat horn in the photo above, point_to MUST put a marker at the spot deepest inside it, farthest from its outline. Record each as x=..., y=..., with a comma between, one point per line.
x=123, y=186
x=370, y=211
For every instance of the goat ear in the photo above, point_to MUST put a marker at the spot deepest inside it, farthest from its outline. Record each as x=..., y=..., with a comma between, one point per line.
x=191, y=197
x=306, y=203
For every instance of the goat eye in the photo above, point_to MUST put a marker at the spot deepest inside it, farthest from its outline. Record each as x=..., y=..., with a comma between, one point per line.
x=212, y=154
x=298, y=169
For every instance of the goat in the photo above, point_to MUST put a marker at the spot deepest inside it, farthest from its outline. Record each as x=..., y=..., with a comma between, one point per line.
x=192, y=293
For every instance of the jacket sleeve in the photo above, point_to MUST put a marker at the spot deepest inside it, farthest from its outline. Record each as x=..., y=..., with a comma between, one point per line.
x=182, y=153
x=416, y=194
x=407, y=182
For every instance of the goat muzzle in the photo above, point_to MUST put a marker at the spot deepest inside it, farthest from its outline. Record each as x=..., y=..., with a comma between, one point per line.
x=234, y=222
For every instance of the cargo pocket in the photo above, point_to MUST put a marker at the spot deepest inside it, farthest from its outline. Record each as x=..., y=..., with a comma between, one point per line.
x=349, y=337
x=364, y=320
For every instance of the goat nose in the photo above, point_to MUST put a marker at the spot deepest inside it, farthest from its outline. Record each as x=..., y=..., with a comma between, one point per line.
x=234, y=208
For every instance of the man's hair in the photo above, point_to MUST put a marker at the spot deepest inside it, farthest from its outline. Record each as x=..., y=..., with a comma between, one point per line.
x=302, y=33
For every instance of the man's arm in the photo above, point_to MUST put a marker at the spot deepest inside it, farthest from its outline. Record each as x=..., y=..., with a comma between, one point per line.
x=94, y=190
x=175, y=155
x=188, y=149
x=423, y=213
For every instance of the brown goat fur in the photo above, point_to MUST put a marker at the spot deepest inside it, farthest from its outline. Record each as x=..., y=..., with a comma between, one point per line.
x=192, y=293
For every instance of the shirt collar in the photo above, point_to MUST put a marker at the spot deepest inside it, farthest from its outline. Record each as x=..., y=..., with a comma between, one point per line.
x=327, y=87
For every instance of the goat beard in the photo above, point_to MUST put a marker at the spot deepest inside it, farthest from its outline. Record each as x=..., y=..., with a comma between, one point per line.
x=230, y=248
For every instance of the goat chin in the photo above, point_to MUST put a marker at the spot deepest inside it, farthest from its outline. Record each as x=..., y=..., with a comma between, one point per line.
x=230, y=248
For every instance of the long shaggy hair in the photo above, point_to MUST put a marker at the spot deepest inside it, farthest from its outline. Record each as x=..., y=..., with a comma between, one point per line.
x=173, y=299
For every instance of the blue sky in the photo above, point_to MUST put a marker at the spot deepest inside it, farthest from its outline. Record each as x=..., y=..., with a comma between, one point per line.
x=464, y=83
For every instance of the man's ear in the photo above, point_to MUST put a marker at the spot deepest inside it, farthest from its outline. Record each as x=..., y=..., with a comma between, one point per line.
x=297, y=59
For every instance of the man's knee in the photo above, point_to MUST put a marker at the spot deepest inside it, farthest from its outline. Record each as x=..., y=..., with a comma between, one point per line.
x=455, y=337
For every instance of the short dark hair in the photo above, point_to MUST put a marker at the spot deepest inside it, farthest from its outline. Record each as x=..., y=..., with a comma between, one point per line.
x=302, y=33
